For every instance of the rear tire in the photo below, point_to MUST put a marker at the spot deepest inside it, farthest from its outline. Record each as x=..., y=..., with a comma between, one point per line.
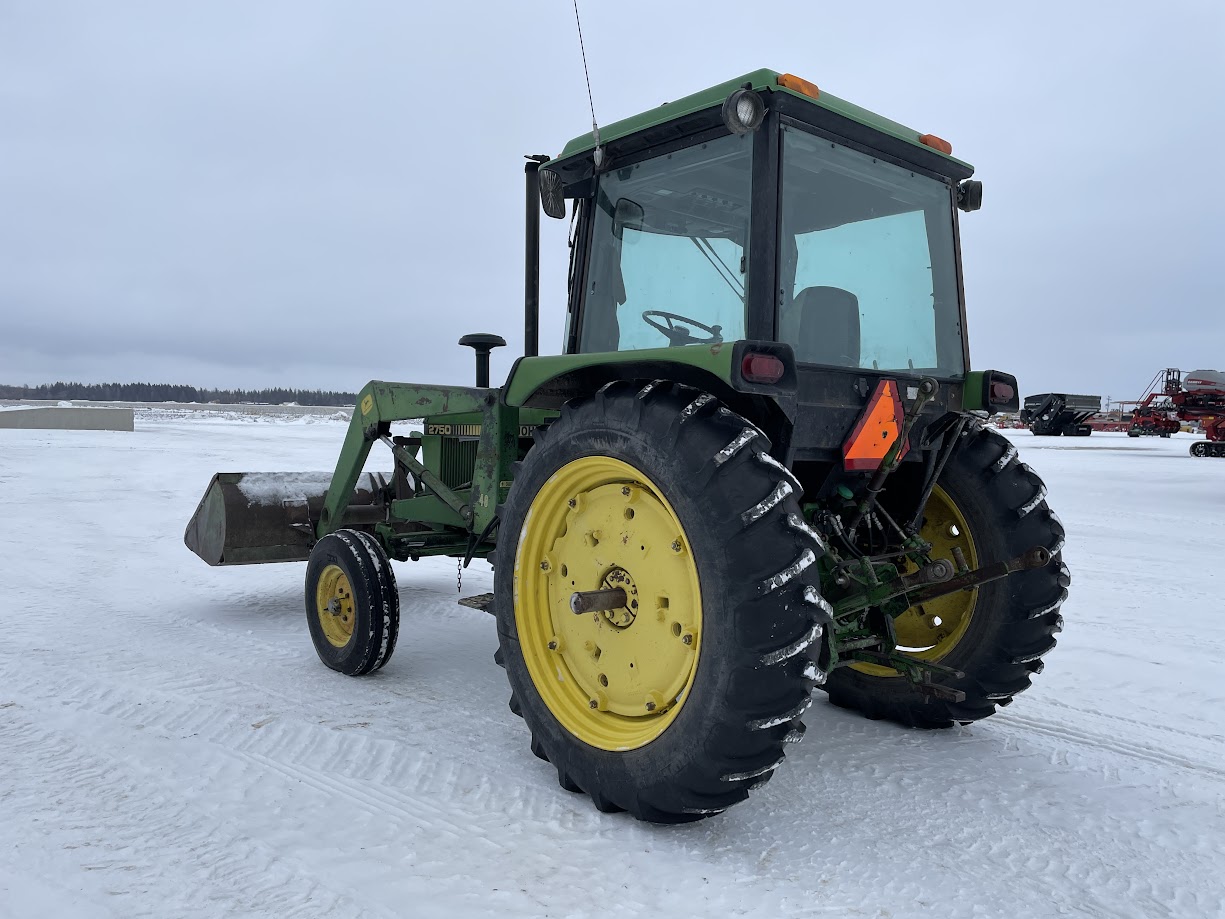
x=752, y=634
x=352, y=604
x=1013, y=621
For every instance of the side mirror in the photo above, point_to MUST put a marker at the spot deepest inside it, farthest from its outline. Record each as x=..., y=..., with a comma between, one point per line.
x=970, y=195
x=627, y=215
x=552, y=194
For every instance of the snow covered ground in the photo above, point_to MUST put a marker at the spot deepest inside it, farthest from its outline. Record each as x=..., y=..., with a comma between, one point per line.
x=170, y=745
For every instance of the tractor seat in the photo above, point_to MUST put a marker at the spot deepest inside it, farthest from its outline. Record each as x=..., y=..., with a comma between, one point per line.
x=829, y=326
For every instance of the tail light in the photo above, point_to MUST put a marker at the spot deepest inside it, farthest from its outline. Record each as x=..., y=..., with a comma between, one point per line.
x=1000, y=392
x=761, y=368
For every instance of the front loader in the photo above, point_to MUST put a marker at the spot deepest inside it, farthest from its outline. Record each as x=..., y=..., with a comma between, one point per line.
x=761, y=466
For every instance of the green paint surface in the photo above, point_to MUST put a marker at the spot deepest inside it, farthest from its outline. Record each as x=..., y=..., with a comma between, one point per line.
x=972, y=392
x=763, y=81
x=533, y=372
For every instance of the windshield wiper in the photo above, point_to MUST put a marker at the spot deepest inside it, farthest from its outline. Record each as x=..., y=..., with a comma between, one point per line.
x=720, y=266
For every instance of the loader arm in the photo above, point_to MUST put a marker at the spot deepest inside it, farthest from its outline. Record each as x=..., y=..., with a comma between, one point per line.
x=379, y=404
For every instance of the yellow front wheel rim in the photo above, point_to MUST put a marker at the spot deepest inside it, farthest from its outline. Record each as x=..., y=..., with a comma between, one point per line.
x=334, y=606
x=932, y=629
x=615, y=679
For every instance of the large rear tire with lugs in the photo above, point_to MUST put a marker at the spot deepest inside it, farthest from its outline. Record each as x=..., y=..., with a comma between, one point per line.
x=993, y=508
x=675, y=705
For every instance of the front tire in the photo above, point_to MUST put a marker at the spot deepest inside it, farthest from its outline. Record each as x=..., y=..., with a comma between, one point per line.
x=352, y=604
x=997, y=634
x=674, y=709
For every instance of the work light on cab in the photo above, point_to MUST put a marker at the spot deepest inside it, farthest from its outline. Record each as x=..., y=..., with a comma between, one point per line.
x=743, y=111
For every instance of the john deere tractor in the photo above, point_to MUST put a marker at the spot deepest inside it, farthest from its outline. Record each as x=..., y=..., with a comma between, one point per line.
x=761, y=466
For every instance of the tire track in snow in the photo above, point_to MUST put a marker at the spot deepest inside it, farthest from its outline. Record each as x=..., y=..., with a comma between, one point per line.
x=1215, y=739
x=299, y=748
x=377, y=776
x=144, y=830
x=378, y=801
x=485, y=823
x=1095, y=740
x=388, y=775
x=990, y=817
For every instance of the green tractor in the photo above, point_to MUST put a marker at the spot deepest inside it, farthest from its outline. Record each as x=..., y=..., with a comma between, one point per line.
x=760, y=468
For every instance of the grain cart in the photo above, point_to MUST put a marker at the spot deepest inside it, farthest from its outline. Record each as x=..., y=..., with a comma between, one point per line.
x=760, y=467
x=1053, y=413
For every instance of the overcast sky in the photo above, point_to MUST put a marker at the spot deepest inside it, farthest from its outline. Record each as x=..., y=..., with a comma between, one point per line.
x=314, y=194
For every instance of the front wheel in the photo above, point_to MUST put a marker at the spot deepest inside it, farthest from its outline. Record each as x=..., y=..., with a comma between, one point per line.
x=674, y=704
x=991, y=507
x=352, y=604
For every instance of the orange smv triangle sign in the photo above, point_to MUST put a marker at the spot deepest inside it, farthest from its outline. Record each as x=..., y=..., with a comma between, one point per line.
x=878, y=427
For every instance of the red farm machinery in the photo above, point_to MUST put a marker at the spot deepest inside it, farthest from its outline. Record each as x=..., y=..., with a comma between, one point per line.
x=1174, y=397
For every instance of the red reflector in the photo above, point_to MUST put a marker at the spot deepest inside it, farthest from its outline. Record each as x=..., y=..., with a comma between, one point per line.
x=1001, y=391
x=761, y=368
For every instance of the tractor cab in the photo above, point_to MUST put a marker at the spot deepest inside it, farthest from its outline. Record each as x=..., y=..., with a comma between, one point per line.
x=766, y=210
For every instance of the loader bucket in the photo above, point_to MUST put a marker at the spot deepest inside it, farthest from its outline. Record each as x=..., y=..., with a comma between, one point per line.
x=249, y=518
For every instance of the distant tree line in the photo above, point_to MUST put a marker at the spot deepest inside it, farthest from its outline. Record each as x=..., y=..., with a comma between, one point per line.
x=164, y=392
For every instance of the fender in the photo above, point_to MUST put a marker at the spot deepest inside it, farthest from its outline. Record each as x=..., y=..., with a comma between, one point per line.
x=550, y=382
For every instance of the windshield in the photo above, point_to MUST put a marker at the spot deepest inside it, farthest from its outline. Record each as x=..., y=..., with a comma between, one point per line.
x=867, y=262
x=670, y=237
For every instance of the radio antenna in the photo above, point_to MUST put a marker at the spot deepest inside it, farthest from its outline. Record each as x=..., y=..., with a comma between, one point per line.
x=598, y=153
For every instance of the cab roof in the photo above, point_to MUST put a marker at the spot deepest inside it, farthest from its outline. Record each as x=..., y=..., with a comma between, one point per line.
x=763, y=81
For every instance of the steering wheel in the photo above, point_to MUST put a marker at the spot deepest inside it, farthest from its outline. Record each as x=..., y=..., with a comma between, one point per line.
x=679, y=334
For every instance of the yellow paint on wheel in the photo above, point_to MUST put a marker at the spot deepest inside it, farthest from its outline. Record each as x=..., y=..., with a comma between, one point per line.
x=334, y=606
x=614, y=679
x=931, y=630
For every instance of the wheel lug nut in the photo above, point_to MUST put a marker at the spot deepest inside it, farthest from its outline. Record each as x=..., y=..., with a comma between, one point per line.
x=650, y=706
x=572, y=503
x=593, y=704
x=553, y=646
x=687, y=638
x=544, y=566
x=676, y=546
x=625, y=490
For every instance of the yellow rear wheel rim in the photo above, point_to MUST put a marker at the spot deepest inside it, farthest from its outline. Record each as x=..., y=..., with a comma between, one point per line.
x=334, y=606
x=932, y=629
x=616, y=679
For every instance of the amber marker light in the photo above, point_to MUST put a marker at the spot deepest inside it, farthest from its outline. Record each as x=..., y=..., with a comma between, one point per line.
x=795, y=84
x=936, y=143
